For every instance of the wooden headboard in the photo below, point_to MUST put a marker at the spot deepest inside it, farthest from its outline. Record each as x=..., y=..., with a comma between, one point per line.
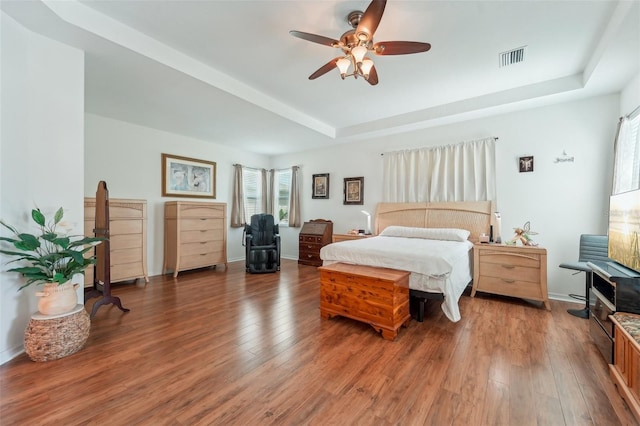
x=474, y=216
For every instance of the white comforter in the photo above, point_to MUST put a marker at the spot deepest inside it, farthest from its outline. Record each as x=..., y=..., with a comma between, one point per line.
x=435, y=265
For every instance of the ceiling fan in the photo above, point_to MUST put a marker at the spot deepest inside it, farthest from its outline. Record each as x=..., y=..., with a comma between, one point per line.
x=356, y=43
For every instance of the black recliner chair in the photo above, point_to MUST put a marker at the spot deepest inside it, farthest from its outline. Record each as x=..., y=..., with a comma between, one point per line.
x=592, y=247
x=262, y=244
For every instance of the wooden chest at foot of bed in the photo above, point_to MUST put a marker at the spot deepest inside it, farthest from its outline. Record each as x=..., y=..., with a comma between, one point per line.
x=376, y=296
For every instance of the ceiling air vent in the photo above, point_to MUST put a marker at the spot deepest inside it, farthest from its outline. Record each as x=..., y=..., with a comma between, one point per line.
x=511, y=57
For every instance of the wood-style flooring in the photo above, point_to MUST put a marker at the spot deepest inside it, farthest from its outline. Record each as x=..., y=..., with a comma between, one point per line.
x=218, y=347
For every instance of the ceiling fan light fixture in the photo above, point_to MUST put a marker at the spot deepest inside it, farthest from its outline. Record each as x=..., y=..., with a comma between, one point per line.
x=343, y=66
x=358, y=53
x=366, y=66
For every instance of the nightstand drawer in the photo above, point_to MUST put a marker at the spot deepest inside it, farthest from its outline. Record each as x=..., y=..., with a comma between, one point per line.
x=510, y=287
x=509, y=271
x=513, y=259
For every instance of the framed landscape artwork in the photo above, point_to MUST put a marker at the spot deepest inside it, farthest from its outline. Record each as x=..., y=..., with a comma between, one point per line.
x=320, y=186
x=188, y=177
x=353, y=190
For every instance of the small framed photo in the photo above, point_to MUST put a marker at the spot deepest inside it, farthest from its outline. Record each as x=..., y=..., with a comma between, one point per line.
x=525, y=164
x=188, y=177
x=320, y=186
x=353, y=190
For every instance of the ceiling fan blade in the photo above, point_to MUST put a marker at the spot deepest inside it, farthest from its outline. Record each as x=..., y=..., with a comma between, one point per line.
x=373, y=76
x=324, y=69
x=400, y=47
x=370, y=20
x=326, y=41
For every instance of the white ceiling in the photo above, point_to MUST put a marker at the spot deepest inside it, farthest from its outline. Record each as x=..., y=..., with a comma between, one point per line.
x=229, y=72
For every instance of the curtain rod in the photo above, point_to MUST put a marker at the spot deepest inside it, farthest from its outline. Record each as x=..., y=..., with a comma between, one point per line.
x=262, y=168
x=633, y=113
x=494, y=137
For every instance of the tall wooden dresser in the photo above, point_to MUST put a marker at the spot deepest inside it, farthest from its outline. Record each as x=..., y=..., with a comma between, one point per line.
x=314, y=235
x=127, y=238
x=195, y=235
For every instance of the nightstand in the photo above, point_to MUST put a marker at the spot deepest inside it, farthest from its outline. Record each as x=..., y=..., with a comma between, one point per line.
x=346, y=237
x=516, y=271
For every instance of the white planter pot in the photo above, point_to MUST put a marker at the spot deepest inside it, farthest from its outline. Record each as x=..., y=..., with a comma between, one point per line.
x=57, y=299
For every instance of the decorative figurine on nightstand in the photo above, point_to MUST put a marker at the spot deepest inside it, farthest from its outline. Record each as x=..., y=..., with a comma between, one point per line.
x=523, y=235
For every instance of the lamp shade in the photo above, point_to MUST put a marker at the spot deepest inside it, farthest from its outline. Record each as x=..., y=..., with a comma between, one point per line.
x=358, y=53
x=343, y=65
x=366, y=66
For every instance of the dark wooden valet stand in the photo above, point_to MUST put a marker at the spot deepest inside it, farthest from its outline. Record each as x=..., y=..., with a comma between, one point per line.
x=102, y=269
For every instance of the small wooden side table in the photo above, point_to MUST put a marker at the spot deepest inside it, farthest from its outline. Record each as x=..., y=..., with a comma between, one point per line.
x=509, y=270
x=336, y=238
x=50, y=337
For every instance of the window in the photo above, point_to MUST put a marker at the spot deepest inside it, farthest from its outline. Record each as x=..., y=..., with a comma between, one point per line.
x=282, y=180
x=627, y=161
x=252, y=188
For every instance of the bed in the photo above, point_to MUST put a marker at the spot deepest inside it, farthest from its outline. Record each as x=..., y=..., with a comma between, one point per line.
x=432, y=241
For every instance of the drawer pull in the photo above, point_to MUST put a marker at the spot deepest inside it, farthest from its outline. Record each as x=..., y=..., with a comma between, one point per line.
x=309, y=247
x=508, y=281
x=508, y=266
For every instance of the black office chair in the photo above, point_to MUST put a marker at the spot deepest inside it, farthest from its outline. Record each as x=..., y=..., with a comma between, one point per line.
x=592, y=247
x=262, y=242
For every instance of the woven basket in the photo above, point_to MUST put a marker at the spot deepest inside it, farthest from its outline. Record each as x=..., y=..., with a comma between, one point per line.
x=49, y=339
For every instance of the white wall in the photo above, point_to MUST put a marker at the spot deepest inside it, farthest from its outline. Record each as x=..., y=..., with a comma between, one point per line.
x=41, y=152
x=560, y=200
x=630, y=96
x=128, y=158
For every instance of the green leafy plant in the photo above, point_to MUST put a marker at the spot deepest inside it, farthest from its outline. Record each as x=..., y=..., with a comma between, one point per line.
x=53, y=257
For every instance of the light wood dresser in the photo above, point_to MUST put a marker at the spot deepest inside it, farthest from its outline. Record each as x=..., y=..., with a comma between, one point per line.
x=127, y=238
x=195, y=235
x=376, y=296
x=516, y=271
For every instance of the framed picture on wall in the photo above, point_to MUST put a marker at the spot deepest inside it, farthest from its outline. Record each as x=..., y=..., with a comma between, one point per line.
x=353, y=190
x=188, y=177
x=525, y=164
x=320, y=186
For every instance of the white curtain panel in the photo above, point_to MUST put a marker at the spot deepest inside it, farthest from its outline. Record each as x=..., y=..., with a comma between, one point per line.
x=460, y=172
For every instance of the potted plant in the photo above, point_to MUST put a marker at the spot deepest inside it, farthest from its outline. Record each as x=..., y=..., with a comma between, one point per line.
x=51, y=258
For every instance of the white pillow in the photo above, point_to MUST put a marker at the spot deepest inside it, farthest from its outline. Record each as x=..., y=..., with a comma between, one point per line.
x=447, y=234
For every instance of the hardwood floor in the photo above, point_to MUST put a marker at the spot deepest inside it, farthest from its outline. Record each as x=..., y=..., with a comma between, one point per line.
x=226, y=347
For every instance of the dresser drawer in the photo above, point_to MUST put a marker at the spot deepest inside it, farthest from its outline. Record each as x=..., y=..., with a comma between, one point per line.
x=310, y=239
x=201, y=260
x=310, y=256
x=203, y=247
x=510, y=287
x=117, y=227
x=128, y=255
x=309, y=247
x=119, y=242
x=126, y=271
x=201, y=224
x=200, y=236
x=193, y=211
